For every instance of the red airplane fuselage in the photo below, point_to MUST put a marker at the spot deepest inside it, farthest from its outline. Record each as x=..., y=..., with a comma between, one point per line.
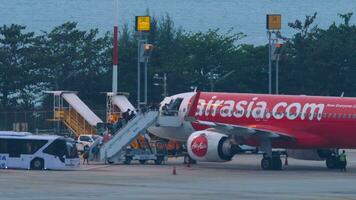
x=312, y=121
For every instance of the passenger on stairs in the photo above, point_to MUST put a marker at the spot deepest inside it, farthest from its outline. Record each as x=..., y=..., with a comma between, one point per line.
x=106, y=137
x=126, y=114
x=131, y=115
x=144, y=109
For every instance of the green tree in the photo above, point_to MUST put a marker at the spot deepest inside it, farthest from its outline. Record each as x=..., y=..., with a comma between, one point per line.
x=20, y=77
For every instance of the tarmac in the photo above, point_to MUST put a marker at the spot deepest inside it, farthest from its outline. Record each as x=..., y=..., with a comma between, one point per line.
x=241, y=178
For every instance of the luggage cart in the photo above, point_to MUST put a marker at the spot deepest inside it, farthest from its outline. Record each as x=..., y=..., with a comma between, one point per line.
x=156, y=152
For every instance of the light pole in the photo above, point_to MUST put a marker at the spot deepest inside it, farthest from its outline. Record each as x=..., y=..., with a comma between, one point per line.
x=269, y=62
x=273, y=25
x=142, y=27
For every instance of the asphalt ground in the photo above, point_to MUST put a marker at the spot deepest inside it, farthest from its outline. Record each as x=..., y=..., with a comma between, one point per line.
x=241, y=178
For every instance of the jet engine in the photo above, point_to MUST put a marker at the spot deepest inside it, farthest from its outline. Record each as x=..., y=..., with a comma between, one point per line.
x=210, y=146
x=310, y=154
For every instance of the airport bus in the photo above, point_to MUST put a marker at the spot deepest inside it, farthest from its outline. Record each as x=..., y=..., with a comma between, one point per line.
x=26, y=151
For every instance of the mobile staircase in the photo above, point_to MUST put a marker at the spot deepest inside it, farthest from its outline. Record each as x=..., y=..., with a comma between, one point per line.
x=114, y=150
x=74, y=113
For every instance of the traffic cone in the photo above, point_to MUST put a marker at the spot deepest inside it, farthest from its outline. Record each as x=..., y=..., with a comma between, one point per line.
x=286, y=161
x=174, y=172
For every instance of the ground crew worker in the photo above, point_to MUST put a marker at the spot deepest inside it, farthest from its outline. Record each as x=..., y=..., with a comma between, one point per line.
x=86, y=155
x=343, y=161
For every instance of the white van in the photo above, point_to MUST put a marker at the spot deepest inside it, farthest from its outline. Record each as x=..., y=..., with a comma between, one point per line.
x=85, y=140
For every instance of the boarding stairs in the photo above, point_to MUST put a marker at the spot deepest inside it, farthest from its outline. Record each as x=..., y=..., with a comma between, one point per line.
x=77, y=116
x=113, y=151
x=76, y=123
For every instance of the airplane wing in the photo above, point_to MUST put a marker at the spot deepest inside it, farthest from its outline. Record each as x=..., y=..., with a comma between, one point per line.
x=247, y=131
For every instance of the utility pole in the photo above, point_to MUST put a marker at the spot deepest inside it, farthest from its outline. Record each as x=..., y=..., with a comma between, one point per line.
x=114, y=72
x=163, y=83
x=115, y=48
x=277, y=72
x=215, y=77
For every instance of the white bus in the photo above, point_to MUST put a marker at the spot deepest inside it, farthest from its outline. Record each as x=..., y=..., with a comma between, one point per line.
x=26, y=151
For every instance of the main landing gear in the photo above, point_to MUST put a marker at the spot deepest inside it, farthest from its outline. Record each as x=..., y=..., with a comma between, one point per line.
x=333, y=161
x=271, y=160
x=271, y=163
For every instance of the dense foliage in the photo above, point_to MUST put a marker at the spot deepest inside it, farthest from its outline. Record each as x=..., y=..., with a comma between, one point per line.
x=314, y=61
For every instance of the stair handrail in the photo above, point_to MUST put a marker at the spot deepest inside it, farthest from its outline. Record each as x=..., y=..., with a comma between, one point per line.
x=127, y=126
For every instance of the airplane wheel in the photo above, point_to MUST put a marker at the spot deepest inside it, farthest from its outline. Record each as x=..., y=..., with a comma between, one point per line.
x=266, y=163
x=332, y=163
x=142, y=162
x=274, y=163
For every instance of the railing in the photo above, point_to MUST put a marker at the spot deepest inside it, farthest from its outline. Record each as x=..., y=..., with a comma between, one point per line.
x=75, y=122
x=125, y=135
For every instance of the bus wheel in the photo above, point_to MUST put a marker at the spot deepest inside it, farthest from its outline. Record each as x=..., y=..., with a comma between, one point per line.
x=37, y=164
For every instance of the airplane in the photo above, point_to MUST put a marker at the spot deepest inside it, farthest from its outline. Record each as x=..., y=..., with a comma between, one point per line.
x=214, y=125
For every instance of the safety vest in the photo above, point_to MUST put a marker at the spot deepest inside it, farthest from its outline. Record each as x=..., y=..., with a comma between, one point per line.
x=342, y=157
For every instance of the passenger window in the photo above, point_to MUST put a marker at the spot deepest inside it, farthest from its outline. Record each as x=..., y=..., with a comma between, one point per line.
x=3, y=146
x=32, y=146
x=16, y=147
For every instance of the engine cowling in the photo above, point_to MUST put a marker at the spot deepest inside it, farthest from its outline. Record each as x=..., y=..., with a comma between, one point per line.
x=210, y=146
x=310, y=154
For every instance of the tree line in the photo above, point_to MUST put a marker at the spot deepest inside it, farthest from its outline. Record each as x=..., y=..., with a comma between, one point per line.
x=314, y=61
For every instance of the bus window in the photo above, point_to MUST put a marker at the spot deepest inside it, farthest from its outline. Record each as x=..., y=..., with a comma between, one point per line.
x=3, y=146
x=16, y=147
x=32, y=146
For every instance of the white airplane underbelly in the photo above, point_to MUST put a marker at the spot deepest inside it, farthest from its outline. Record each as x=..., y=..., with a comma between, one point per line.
x=177, y=133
